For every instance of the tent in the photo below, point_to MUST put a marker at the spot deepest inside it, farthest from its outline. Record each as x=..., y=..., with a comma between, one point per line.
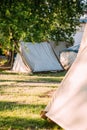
x=20, y=66
x=67, y=56
x=36, y=58
x=80, y=29
x=58, y=47
x=68, y=106
x=78, y=35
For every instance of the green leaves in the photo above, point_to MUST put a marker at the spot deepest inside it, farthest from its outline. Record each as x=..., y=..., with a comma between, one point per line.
x=37, y=21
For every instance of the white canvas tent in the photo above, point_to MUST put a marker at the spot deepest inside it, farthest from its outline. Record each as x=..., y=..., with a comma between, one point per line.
x=79, y=34
x=80, y=30
x=37, y=57
x=57, y=48
x=67, y=56
x=68, y=107
x=20, y=66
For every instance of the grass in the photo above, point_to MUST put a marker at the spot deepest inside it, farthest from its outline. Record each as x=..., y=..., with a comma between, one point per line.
x=23, y=97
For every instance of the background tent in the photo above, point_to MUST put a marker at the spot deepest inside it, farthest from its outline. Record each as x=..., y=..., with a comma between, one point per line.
x=68, y=56
x=20, y=66
x=37, y=57
x=78, y=35
x=57, y=48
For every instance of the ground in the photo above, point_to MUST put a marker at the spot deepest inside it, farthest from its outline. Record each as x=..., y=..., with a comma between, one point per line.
x=23, y=97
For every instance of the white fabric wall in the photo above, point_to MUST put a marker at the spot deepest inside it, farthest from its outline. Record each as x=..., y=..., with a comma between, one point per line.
x=79, y=34
x=58, y=48
x=19, y=65
x=40, y=57
x=67, y=58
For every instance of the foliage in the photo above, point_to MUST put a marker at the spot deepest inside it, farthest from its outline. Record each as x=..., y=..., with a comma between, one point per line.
x=37, y=20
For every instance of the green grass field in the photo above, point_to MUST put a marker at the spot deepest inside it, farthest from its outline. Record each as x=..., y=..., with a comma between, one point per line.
x=23, y=97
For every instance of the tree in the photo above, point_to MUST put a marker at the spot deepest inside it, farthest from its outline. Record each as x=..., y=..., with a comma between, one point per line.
x=38, y=20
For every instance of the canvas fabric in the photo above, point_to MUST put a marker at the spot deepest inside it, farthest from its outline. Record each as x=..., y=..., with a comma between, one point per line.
x=40, y=57
x=68, y=106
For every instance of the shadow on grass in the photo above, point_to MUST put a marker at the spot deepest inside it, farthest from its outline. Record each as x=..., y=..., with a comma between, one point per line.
x=22, y=123
x=7, y=73
x=42, y=80
x=4, y=106
x=56, y=74
x=26, y=124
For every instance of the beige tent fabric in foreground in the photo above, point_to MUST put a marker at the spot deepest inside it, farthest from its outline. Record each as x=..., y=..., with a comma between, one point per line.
x=68, y=107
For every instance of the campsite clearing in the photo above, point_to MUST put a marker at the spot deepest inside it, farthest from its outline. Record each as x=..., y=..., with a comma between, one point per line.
x=23, y=97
